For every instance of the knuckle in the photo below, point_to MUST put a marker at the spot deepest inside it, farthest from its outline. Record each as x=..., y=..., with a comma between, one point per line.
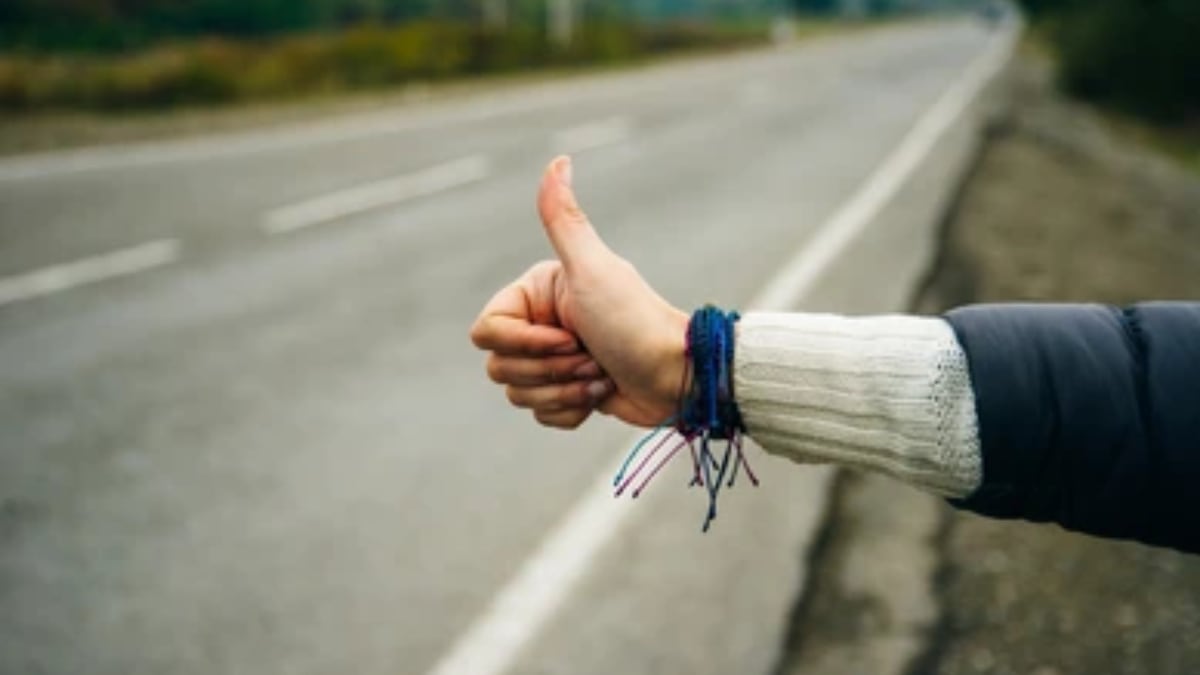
x=480, y=336
x=516, y=397
x=553, y=371
x=544, y=267
x=495, y=369
x=577, y=394
x=556, y=398
x=559, y=420
x=573, y=214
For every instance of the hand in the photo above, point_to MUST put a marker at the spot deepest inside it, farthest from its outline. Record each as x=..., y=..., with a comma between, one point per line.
x=584, y=332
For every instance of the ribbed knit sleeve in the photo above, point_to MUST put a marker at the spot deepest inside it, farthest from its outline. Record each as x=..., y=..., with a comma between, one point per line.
x=890, y=394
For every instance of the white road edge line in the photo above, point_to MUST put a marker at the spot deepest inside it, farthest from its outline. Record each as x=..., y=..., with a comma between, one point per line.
x=593, y=135
x=518, y=612
x=55, y=278
x=368, y=196
x=806, y=267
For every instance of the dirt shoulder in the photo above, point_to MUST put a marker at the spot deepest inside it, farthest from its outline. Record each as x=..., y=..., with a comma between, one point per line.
x=1060, y=207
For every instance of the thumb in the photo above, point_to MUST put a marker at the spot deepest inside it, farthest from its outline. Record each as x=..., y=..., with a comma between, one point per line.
x=567, y=226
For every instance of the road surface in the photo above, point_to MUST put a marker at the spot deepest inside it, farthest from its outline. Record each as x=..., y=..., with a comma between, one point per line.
x=243, y=428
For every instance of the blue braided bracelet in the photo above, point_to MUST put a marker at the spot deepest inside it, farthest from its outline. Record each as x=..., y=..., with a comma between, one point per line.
x=708, y=412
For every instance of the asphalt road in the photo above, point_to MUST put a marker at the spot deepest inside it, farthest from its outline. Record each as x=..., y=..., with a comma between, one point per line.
x=243, y=428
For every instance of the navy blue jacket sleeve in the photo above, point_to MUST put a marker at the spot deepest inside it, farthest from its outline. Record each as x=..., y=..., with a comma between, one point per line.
x=1089, y=416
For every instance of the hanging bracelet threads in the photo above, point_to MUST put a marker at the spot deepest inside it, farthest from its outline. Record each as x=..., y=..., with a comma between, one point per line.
x=707, y=412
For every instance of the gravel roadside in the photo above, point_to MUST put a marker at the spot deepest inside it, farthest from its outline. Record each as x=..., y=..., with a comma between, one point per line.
x=1059, y=207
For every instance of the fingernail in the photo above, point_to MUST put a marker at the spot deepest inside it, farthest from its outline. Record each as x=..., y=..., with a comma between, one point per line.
x=566, y=348
x=589, y=369
x=565, y=171
x=598, y=389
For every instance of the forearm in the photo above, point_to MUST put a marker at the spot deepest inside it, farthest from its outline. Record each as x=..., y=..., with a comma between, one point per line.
x=890, y=394
x=1082, y=415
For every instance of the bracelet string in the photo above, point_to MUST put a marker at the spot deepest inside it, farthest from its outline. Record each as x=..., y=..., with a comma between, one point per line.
x=707, y=414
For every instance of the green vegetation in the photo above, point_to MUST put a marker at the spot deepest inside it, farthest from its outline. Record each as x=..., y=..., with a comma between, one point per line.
x=145, y=54
x=1140, y=57
x=128, y=25
x=1180, y=142
x=221, y=71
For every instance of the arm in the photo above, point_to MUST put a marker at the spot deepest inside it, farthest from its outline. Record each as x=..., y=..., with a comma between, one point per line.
x=1089, y=416
x=888, y=394
x=1086, y=416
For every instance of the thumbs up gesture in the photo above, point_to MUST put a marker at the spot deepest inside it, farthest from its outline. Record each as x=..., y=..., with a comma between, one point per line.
x=584, y=332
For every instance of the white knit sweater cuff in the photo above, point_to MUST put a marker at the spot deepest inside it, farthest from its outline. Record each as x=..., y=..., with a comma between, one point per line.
x=889, y=393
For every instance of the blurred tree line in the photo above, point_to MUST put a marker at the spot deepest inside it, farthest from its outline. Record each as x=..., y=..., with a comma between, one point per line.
x=107, y=25
x=877, y=7
x=116, y=25
x=1139, y=56
x=131, y=54
x=825, y=7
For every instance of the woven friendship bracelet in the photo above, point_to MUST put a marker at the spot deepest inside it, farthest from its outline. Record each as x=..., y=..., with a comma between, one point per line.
x=707, y=412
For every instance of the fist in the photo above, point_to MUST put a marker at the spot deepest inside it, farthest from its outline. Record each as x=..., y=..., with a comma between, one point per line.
x=584, y=332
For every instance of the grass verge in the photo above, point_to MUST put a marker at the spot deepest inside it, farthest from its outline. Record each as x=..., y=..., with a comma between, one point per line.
x=30, y=129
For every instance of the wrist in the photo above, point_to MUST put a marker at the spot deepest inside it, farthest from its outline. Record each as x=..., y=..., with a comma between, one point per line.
x=672, y=358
